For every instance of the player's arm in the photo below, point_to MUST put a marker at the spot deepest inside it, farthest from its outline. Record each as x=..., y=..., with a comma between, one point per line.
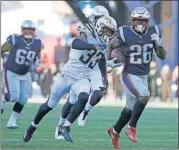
x=158, y=47
x=102, y=67
x=160, y=51
x=7, y=46
x=116, y=42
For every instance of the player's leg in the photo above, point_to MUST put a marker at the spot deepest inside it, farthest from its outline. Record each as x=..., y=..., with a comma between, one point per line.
x=12, y=94
x=82, y=90
x=138, y=87
x=96, y=95
x=25, y=89
x=124, y=118
x=60, y=87
x=64, y=113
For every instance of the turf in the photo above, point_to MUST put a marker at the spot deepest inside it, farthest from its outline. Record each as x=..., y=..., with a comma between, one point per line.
x=158, y=128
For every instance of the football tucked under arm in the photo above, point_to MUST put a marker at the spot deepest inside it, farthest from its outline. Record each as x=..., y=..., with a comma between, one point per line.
x=117, y=53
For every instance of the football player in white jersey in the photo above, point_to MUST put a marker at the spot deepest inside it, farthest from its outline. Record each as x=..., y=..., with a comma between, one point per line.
x=104, y=28
x=84, y=55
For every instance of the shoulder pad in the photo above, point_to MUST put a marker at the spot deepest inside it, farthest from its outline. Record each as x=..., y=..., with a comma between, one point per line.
x=121, y=33
x=12, y=38
x=157, y=30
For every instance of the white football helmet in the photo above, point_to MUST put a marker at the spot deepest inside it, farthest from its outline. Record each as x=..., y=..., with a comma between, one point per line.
x=105, y=27
x=97, y=12
x=140, y=18
x=28, y=29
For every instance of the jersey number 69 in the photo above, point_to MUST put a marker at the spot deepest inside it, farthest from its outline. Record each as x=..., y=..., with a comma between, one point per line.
x=24, y=57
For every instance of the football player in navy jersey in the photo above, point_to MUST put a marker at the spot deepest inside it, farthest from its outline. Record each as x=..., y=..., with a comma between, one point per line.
x=137, y=42
x=24, y=50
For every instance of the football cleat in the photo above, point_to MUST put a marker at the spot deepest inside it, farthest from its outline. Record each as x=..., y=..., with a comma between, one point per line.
x=115, y=138
x=28, y=133
x=12, y=125
x=3, y=102
x=131, y=133
x=82, y=118
x=65, y=131
x=58, y=133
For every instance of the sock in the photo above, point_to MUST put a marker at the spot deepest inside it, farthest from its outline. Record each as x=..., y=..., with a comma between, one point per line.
x=34, y=125
x=88, y=107
x=61, y=121
x=66, y=109
x=78, y=107
x=43, y=110
x=67, y=123
x=14, y=116
x=137, y=111
x=123, y=120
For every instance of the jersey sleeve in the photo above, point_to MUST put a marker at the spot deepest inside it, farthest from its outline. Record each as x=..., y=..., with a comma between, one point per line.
x=121, y=34
x=12, y=39
x=158, y=31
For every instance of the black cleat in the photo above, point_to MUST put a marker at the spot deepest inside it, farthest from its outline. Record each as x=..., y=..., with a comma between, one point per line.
x=2, y=110
x=65, y=131
x=28, y=133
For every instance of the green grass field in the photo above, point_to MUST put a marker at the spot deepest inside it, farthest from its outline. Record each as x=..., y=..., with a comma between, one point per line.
x=158, y=128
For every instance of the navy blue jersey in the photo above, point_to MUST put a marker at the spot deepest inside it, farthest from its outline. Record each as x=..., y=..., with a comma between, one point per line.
x=23, y=54
x=138, y=49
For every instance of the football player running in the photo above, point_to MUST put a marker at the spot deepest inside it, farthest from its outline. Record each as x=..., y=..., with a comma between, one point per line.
x=105, y=27
x=24, y=51
x=85, y=53
x=137, y=43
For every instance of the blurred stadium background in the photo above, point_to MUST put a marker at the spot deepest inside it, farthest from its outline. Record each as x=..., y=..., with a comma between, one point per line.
x=56, y=25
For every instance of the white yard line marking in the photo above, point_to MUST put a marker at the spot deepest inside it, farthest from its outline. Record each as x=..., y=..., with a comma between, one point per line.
x=160, y=133
x=171, y=140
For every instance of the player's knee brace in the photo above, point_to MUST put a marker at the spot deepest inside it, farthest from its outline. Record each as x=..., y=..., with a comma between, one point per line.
x=144, y=99
x=83, y=98
x=18, y=107
x=96, y=97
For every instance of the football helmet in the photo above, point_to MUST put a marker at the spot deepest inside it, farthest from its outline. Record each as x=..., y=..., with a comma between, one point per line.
x=105, y=27
x=97, y=12
x=140, y=19
x=28, y=29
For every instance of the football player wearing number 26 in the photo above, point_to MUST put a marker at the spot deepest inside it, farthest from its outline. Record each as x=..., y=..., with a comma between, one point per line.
x=137, y=43
x=24, y=50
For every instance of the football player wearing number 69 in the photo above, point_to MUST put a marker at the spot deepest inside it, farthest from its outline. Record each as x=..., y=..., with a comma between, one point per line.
x=137, y=43
x=24, y=50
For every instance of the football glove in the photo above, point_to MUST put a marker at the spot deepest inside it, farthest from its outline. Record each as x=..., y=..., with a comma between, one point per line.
x=111, y=63
x=101, y=47
x=155, y=38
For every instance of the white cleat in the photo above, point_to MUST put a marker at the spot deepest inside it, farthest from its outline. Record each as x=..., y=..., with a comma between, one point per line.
x=82, y=118
x=58, y=135
x=12, y=125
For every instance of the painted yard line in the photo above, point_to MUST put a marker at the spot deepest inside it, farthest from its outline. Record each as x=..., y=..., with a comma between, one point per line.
x=171, y=140
x=41, y=132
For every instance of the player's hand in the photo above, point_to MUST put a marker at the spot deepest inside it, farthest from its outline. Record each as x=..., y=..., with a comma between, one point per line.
x=155, y=38
x=37, y=62
x=100, y=47
x=111, y=63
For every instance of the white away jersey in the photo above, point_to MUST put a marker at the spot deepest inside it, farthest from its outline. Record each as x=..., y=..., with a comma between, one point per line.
x=82, y=62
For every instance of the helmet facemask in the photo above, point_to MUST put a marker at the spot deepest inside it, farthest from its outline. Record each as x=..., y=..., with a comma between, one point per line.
x=28, y=33
x=140, y=24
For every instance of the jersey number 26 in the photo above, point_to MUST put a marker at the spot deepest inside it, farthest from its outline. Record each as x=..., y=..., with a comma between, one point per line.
x=141, y=54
